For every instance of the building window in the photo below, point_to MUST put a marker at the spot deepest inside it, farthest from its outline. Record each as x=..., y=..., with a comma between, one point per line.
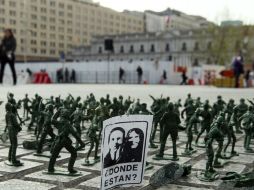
x=196, y=62
x=184, y=47
x=196, y=47
x=152, y=48
x=142, y=48
x=100, y=50
x=167, y=48
x=122, y=49
x=131, y=49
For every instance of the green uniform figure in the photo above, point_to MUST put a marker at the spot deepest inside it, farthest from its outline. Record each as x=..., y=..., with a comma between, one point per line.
x=189, y=110
x=63, y=140
x=159, y=111
x=76, y=118
x=215, y=133
x=13, y=128
x=218, y=106
x=240, y=109
x=47, y=127
x=247, y=121
x=177, y=106
x=170, y=122
x=206, y=115
x=26, y=107
x=93, y=140
x=186, y=103
x=191, y=123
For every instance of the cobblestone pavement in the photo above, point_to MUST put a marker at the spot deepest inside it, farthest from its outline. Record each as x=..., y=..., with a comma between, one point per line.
x=30, y=177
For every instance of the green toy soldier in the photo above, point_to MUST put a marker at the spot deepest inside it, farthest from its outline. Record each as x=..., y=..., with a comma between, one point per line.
x=63, y=140
x=13, y=128
x=214, y=134
x=206, y=114
x=93, y=140
x=177, y=106
x=239, y=110
x=247, y=123
x=218, y=106
x=76, y=118
x=170, y=122
x=159, y=109
x=186, y=103
x=26, y=107
x=47, y=127
x=191, y=123
x=229, y=131
x=189, y=110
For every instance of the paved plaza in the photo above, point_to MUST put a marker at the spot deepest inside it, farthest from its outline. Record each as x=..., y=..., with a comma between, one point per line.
x=31, y=177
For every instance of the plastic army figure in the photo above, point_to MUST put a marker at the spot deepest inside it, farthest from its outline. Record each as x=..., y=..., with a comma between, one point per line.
x=215, y=133
x=93, y=140
x=247, y=120
x=107, y=100
x=230, y=133
x=13, y=128
x=114, y=107
x=189, y=110
x=158, y=110
x=239, y=110
x=177, y=106
x=26, y=106
x=186, y=103
x=206, y=115
x=76, y=118
x=191, y=123
x=47, y=127
x=170, y=122
x=63, y=140
x=127, y=103
x=218, y=106
x=34, y=110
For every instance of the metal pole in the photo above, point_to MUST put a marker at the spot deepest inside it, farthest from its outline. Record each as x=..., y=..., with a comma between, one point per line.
x=108, y=67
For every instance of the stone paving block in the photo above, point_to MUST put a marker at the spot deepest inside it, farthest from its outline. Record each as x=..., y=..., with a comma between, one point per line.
x=182, y=160
x=243, y=159
x=20, y=151
x=149, y=173
x=179, y=187
x=45, y=159
x=55, y=178
x=229, y=167
x=96, y=182
x=10, y=169
x=78, y=164
x=16, y=184
x=192, y=180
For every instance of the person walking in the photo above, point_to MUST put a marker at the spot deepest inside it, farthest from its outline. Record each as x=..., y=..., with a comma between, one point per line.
x=184, y=78
x=73, y=76
x=121, y=75
x=7, y=54
x=238, y=69
x=140, y=74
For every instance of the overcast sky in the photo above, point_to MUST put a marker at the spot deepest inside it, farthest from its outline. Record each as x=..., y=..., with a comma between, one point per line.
x=213, y=10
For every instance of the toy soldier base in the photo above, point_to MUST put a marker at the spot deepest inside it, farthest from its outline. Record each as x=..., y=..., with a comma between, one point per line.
x=208, y=176
x=91, y=162
x=189, y=152
x=149, y=166
x=172, y=158
x=15, y=164
x=59, y=171
x=200, y=145
x=45, y=155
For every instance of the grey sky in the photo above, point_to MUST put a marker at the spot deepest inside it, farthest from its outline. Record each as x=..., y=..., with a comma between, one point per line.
x=214, y=10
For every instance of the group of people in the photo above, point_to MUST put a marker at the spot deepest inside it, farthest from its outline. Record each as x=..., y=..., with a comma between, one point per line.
x=219, y=120
x=64, y=76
